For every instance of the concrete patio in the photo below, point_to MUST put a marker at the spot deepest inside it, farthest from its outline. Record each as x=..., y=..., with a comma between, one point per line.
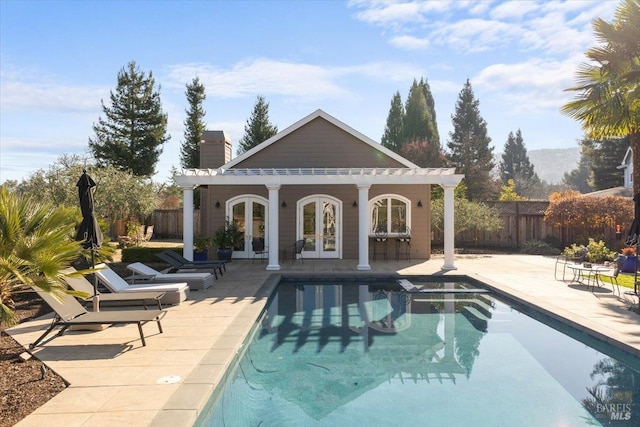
x=115, y=381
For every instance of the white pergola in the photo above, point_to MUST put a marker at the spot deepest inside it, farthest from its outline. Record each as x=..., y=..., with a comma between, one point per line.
x=362, y=178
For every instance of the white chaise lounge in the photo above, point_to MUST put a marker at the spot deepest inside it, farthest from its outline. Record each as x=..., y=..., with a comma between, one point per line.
x=175, y=293
x=196, y=281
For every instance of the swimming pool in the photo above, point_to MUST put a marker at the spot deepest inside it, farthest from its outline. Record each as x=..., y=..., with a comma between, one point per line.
x=418, y=352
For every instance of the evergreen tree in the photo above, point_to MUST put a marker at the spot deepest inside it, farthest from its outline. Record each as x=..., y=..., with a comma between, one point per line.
x=469, y=147
x=431, y=106
x=604, y=158
x=516, y=166
x=394, y=129
x=135, y=129
x=258, y=128
x=578, y=179
x=424, y=154
x=418, y=123
x=194, y=125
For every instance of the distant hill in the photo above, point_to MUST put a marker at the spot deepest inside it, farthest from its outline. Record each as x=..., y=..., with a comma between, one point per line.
x=552, y=163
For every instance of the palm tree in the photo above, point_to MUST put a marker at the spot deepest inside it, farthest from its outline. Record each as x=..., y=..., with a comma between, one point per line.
x=36, y=243
x=608, y=100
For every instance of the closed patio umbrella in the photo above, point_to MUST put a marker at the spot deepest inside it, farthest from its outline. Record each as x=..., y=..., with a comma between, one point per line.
x=89, y=230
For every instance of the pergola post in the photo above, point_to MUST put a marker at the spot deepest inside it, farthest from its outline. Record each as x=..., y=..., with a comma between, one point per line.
x=449, y=229
x=187, y=222
x=274, y=229
x=363, y=229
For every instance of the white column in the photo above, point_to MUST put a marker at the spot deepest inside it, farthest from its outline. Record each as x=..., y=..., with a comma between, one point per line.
x=449, y=231
x=363, y=229
x=187, y=222
x=274, y=228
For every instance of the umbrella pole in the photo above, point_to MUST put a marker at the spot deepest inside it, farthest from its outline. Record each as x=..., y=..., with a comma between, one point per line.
x=96, y=298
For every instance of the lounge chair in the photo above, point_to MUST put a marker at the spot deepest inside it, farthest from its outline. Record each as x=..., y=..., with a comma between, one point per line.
x=294, y=251
x=184, y=264
x=196, y=281
x=80, y=283
x=69, y=312
x=175, y=293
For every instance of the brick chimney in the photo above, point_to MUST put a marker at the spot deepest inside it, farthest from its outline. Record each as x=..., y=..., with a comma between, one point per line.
x=215, y=149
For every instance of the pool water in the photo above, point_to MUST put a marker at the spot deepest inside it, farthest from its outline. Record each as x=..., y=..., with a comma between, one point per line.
x=419, y=353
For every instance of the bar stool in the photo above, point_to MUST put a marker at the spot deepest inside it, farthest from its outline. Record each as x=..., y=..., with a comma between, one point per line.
x=403, y=244
x=380, y=240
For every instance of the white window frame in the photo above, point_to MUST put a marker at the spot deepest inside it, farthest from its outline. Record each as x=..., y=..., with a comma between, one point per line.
x=403, y=199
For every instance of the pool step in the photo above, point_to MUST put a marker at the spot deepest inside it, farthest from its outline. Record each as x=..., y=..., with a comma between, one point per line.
x=476, y=318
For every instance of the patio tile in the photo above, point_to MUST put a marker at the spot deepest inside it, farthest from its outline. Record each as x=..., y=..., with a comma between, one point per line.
x=203, y=335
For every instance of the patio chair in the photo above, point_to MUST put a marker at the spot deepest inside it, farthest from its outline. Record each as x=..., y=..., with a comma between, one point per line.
x=611, y=276
x=80, y=283
x=177, y=265
x=69, y=312
x=564, y=260
x=148, y=234
x=175, y=293
x=294, y=251
x=142, y=273
x=259, y=249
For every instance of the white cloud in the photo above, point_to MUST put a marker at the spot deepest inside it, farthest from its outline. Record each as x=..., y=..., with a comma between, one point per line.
x=53, y=97
x=272, y=77
x=410, y=43
x=475, y=35
x=513, y=9
x=532, y=85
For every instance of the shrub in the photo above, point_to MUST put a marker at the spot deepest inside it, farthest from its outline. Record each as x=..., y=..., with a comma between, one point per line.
x=573, y=251
x=144, y=254
x=598, y=252
x=537, y=247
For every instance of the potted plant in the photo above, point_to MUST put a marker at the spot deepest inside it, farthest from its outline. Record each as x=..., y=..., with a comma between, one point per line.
x=226, y=237
x=630, y=261
x=201, y=245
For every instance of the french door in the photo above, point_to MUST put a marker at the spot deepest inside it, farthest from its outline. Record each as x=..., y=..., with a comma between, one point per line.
x=250, y=212
x=319, y=222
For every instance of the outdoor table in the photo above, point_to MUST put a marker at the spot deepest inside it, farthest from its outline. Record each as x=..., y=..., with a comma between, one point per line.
x=579, y=271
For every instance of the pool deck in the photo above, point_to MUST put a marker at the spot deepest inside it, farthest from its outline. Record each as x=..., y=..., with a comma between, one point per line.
x=115, y=381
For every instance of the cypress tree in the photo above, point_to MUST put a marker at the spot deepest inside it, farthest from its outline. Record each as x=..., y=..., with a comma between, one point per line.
x=418, y=123
x=516, y=165
x=194, y=125
x=431, y=106
x=258, y=128
x=135, y=129
x=469, y=146
x=394, y=129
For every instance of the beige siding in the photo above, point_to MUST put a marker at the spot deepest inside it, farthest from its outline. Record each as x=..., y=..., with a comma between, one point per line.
x=420, y=219
x=319, y=144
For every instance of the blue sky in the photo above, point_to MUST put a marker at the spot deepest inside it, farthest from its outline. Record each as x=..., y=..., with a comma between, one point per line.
x=59, y=59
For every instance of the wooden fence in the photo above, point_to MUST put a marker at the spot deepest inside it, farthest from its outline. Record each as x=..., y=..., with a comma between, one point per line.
x=522, y=222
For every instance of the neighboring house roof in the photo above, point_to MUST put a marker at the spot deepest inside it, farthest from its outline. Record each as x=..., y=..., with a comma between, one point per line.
x=306, y=120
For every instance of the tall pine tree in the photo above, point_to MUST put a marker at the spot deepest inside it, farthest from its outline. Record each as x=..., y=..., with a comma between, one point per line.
x=394, y=129
x=135, y=129
x=469, y=147
x=516, y=166
x=194, y=125
x=258, y=128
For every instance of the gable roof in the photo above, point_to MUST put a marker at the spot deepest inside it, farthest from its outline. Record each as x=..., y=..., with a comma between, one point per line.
x=302, y=122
